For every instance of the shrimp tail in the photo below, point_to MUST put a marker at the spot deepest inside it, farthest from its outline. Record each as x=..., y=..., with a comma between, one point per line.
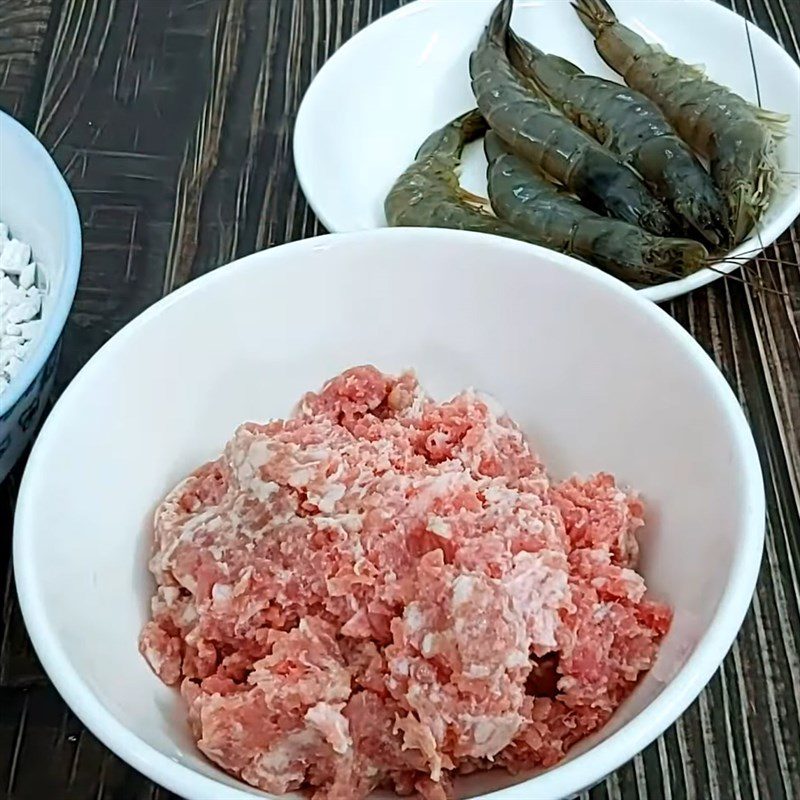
x=499, y=23
x=450, y=140
x=428, y=193
x=520, y=50
x=595, y=14
x=543, y=72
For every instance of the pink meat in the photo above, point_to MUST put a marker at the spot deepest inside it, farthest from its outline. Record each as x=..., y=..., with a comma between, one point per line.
x=388, y=591
x=597, y=514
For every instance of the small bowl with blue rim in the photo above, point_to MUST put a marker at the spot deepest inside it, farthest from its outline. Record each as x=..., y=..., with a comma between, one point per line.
x=38, y=208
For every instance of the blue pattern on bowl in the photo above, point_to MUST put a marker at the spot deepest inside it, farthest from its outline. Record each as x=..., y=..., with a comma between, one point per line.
x=21, y=421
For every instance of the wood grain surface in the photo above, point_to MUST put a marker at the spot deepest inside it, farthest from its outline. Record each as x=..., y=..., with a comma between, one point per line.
x=172, y=120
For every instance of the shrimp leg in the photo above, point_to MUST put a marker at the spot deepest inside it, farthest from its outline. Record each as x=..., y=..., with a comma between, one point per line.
x=632, y=126
x=550, y=141
x=737, y=137
x=554, y=219
x=427, y=194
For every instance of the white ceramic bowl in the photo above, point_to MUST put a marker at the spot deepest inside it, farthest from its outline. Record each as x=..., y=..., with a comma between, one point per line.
x=38, y=208
x=597, y=376
x=381, y=94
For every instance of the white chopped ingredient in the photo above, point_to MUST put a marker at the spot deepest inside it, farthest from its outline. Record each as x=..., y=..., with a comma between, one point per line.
x=20, y=305
x=28, y=330
x=25, y=311
x=15, y=256
x=11, y=367
x=27, y=276
x=13, y=347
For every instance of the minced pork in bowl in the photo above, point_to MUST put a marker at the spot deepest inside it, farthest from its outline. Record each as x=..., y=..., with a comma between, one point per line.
x=597, y=379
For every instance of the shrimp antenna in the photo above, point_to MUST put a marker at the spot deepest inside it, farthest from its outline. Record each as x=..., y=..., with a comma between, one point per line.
x=751, y=270
x=757, y=83
x=759, y=254
x=752, y=60
x=755, y=278
x=755, y=282
x=740, y=261
x=752, y=283
x=753, y=252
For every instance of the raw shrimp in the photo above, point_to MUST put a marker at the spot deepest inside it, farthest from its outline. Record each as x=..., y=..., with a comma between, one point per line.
x=737, y=137
x=632, y=126
x=428, y=194
x=554, y=219
x=550, y=141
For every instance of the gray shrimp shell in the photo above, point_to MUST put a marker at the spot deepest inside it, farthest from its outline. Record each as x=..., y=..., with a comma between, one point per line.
x=737, y=137
x=551, y=142
x=528, y=201
x=631, y=125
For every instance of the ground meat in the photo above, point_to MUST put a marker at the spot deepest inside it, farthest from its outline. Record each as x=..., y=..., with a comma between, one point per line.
x=385, y=591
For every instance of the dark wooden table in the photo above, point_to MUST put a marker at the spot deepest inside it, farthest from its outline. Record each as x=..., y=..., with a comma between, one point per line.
x=172, y=120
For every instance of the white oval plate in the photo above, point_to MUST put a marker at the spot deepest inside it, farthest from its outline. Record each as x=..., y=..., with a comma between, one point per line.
x=380, y=95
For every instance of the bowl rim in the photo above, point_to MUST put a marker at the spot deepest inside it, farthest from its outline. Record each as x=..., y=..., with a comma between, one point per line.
x=564, y=779
x=323, y=84
x=57, y=316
